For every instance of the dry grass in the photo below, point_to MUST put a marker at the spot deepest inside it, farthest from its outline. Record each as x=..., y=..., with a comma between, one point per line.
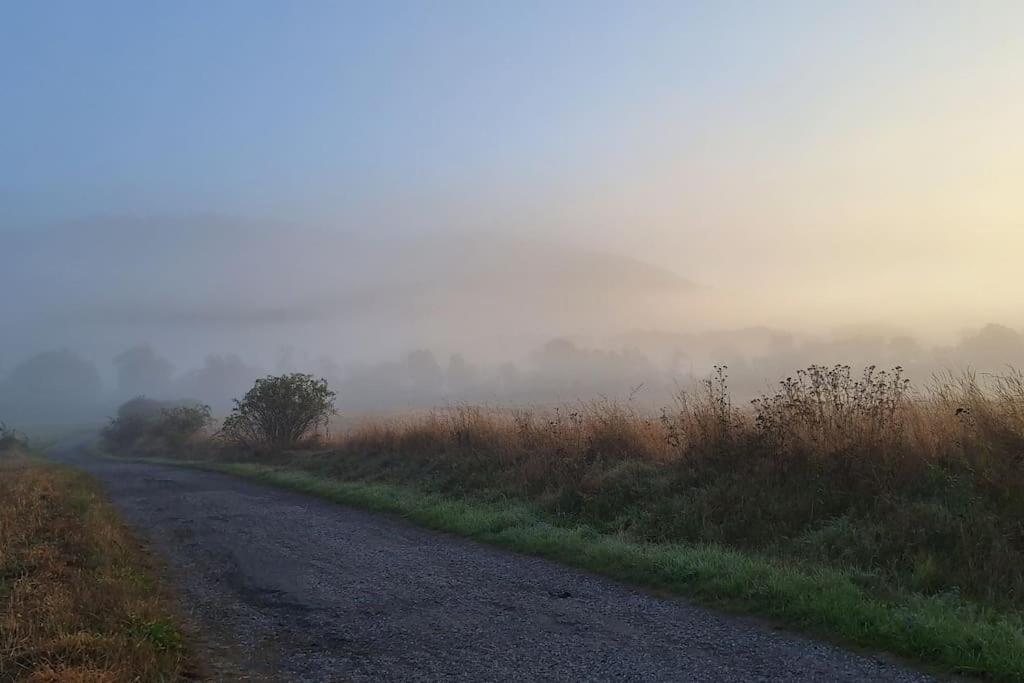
x=844, y=504
x=77, y=602
x=917, y=490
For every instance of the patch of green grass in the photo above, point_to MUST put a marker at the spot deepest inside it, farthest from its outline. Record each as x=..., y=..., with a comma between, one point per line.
x=942, y=631
x=160, y=633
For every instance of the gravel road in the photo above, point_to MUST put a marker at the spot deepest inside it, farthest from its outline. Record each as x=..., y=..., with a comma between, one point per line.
x=280, y=586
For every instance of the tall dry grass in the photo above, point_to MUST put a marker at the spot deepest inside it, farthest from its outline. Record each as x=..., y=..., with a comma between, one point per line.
x=917, y=488
x=76, y=600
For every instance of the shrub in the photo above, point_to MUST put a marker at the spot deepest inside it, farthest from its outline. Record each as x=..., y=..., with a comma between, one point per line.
x=134, y=419
x=10, y=439
x=179, y=424
x=150, y=426
x=280, y=411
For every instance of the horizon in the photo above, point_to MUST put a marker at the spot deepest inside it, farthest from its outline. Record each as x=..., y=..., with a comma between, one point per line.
x=347, y=183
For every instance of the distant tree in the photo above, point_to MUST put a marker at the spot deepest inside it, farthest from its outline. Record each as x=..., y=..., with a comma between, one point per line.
x=140, y=371
x=425, y=374
x=280, y=411
x=559, y=352
x=461, y=376
x=219, y=381
x=60, y=376
x=52, y=386
x=991, y=347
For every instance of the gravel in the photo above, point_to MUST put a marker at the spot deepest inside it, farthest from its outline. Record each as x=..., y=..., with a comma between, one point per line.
x=280, y=586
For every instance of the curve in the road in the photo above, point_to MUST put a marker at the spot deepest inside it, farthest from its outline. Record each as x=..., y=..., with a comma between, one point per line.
x=288, y=587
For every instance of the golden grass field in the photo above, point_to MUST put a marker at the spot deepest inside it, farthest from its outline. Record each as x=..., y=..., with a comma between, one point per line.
x=908, y=497
x=915, y=487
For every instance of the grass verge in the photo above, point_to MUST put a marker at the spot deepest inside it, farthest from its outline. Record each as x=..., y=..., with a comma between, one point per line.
x=943, y=632
x=77, y=599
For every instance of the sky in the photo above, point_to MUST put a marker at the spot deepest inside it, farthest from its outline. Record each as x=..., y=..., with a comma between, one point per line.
x=811, y=163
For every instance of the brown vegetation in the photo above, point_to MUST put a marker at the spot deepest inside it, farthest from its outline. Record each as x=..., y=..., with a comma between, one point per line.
x=916, y=490
x=77, y=602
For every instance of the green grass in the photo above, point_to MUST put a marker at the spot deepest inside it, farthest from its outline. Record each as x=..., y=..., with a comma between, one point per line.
x=943, y=632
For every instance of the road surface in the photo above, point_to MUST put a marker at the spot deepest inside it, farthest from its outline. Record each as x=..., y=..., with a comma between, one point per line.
x=280, y=586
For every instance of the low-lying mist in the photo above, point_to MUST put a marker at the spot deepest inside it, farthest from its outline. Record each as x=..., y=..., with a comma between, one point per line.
x=199, y=307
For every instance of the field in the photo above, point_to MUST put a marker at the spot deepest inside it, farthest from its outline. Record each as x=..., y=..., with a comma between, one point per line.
x=78, y=601
x=851, y=505
x=916, y=491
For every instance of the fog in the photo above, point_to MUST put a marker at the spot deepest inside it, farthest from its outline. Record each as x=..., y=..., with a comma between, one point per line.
x=198, y=307
x=512, y=205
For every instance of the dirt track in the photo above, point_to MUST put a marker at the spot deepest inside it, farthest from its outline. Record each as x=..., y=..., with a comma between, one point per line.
x=285, y=587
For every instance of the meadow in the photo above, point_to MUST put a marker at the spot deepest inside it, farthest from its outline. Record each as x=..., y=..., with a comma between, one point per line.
x=849, y=504
x=916, y=489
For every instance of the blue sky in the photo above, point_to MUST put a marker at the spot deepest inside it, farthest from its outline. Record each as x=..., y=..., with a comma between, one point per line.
x=306, y=106
x=814, y=156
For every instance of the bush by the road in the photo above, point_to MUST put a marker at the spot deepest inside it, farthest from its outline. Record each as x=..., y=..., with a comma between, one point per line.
x=280, y=411
x=148, y=427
